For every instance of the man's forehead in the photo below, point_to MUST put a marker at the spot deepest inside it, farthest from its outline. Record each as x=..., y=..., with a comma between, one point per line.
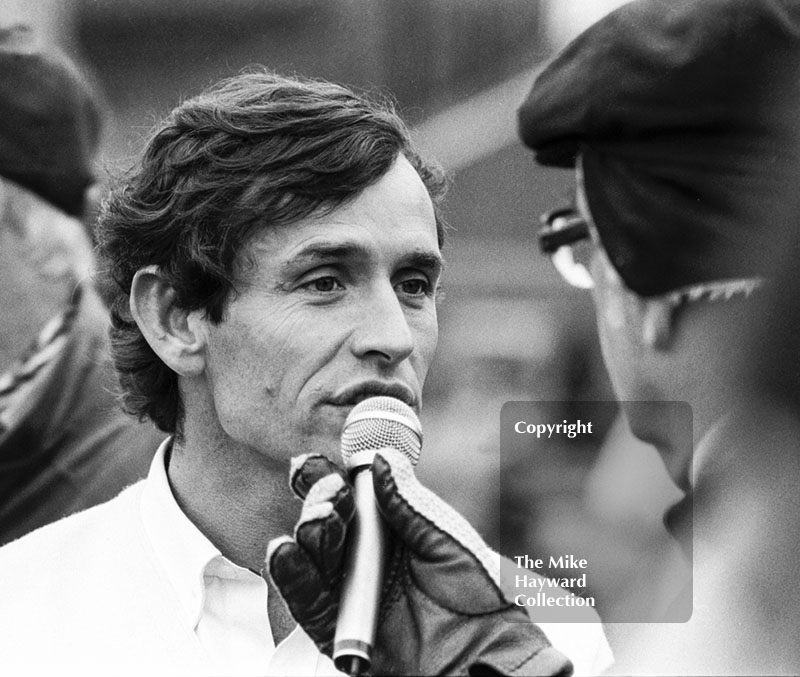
x=391, y=219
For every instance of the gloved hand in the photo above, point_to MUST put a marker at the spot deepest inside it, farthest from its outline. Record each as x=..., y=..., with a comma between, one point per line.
x=443, y=609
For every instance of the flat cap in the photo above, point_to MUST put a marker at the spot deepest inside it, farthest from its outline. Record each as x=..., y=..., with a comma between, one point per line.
x=49, y=121
x=685, y=116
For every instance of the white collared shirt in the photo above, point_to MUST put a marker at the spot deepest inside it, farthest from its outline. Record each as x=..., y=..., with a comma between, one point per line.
x=132, y=587
x=225, y=604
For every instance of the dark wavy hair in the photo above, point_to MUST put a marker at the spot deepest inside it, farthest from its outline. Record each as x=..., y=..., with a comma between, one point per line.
x=255, y=151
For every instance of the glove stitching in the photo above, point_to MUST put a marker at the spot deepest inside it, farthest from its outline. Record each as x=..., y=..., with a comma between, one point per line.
x=507, y=666
x=459, y=614
x=393, y=586
x=513, y=667
x=453, y=635
x=416, y=497
x=498, y=590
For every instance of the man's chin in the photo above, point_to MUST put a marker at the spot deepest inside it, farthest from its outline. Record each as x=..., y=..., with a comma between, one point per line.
x=329, y=419
x=325, y=437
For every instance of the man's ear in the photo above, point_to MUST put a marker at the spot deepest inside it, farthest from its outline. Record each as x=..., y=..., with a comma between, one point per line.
x=175, y=334
x=657, y=323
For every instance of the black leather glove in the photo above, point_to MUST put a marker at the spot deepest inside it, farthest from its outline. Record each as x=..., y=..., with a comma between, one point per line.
x=443, y=608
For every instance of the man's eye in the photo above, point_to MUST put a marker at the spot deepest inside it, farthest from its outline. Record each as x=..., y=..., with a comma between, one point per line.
x=415, y=287
x=325, y=284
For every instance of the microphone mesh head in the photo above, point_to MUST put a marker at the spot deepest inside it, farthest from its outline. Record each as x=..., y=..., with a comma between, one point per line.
x=380, y=422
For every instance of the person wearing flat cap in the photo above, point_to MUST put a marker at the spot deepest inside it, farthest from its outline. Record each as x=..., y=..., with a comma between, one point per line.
x=681, y=121
x=64, y=444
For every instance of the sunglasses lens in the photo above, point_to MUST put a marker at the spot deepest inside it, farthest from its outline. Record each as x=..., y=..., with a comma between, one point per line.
x=574, y=271
x=570, y=247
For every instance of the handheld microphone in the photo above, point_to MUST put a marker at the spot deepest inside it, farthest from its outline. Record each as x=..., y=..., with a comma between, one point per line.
x=374, y=424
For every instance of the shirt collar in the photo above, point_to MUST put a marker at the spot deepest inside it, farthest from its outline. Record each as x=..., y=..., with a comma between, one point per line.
x=183, y=551
x=188, y=557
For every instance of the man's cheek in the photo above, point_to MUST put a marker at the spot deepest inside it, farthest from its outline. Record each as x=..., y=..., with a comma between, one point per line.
x=426, y=336
x=296, y=336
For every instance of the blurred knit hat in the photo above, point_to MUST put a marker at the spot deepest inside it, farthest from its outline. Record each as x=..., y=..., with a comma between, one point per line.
x=686, y=116
x=49, y=121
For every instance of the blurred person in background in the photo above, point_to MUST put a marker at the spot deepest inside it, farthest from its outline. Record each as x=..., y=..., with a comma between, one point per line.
x=272, y=260
x=64, y=443
x=681, y=122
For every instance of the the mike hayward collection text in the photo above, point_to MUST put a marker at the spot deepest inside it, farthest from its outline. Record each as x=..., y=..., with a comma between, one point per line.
x=571, y=430
x=535, y=585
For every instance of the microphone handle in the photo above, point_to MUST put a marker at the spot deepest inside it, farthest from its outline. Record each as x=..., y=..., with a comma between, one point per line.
x=361, y=588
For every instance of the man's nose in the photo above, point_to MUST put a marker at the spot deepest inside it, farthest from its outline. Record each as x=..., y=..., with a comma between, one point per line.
x=383, y=333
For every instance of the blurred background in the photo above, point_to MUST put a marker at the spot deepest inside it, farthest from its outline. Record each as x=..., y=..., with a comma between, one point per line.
x=510, y=328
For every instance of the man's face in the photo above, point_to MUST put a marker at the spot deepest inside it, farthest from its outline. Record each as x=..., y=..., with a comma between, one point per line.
x=337, y=308
x=642, y=373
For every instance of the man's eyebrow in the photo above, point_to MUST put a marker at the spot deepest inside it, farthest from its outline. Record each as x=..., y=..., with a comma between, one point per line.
x=325, y=251
x=425, y=260
x=328, y=251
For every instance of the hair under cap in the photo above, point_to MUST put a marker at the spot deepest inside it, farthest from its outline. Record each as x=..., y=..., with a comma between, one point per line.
x=49, y=121
x=684, y=114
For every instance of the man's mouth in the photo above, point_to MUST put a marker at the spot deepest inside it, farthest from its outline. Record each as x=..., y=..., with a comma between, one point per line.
x=359, y=392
